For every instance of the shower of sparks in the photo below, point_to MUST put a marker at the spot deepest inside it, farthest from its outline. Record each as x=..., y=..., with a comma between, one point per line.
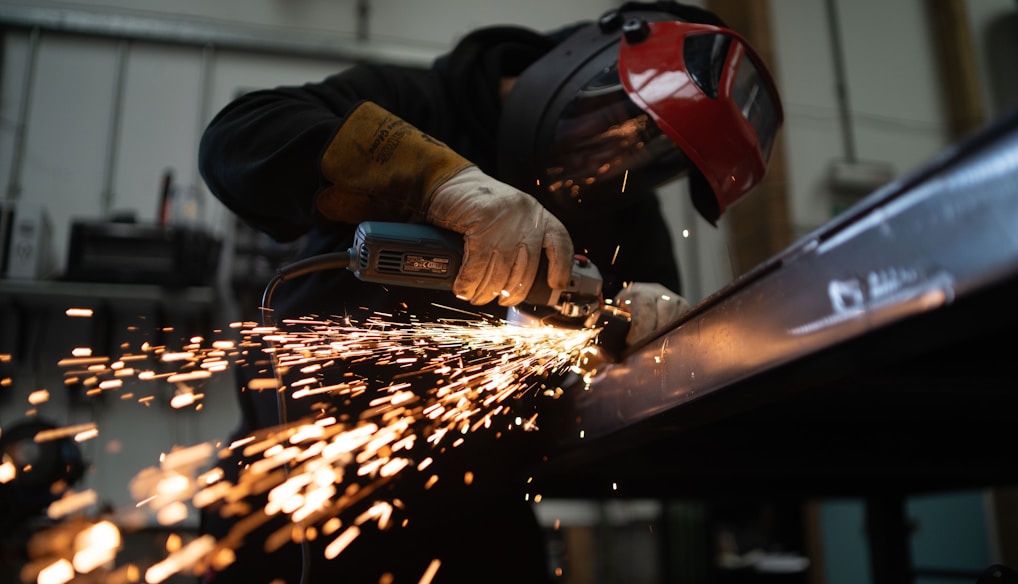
x=38, y=397
x=326, y=468
x=429, y=574
x=5, y=381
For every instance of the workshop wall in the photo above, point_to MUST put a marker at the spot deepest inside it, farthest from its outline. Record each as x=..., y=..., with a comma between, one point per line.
x=72, y=140
x=422, y=26
x=895, y=105
x=895, y=112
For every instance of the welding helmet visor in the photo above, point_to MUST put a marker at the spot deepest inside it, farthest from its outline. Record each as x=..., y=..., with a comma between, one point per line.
x=600, y=141
x=625, y=105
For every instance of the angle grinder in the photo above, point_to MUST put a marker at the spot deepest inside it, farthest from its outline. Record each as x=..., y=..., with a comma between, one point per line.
x=425, y=256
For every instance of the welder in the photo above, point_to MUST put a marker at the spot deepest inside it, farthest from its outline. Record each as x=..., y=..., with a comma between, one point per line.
x=528, y=144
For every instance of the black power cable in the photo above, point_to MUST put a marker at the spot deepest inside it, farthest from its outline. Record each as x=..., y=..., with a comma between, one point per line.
x=330, y=261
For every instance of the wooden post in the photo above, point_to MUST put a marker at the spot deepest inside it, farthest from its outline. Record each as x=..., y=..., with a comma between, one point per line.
x=759, y=224
x=959, y=71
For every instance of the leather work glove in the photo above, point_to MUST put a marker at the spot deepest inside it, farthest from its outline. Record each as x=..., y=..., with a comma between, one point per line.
x=651, y=307
x=378, y=167
x=505, y=231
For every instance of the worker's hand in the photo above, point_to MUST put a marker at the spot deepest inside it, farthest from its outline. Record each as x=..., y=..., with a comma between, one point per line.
x=505, y=232
x=651, y=306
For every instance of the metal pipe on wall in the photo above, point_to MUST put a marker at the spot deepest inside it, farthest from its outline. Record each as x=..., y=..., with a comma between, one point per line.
x=21, y=124
x=363, y=19
x=230, y=36
x=840, y=82
x=116, y=115
x=208, y=55
x=18, y=147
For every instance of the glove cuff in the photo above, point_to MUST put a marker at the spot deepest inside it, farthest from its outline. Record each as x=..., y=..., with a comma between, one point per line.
x=381, y=168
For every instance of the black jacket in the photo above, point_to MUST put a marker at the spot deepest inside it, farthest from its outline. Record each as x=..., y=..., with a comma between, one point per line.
x=261, y=157
x=261, y=154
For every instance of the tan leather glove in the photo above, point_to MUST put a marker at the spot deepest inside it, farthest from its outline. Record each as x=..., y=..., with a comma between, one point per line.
x=380, y=168
x=651, y=306
x=505, y=232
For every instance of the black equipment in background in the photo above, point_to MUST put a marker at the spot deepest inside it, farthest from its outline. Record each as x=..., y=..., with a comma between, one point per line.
x=135, y=253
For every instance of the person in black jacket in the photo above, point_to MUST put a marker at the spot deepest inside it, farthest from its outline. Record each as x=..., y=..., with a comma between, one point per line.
x=528, y=144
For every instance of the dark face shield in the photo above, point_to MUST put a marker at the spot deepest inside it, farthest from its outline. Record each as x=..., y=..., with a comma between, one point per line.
x=757, y=104
x=603, y=144
x=610, y=111
x=709, y=92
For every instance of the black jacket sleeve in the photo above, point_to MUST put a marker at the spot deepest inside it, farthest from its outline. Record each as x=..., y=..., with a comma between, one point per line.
x=261, y=155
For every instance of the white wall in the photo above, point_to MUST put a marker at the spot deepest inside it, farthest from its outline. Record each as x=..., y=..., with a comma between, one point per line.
x=893, y=91
x=425, y=24
x=894, y=87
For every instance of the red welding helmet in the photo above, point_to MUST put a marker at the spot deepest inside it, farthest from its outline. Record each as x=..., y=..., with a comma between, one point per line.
x=634, y=100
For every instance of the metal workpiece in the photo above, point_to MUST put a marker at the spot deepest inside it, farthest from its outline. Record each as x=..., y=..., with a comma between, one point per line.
x=944, y=235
